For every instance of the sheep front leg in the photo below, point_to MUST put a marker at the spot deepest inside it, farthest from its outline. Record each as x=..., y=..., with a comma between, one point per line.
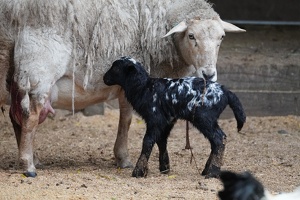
x=141, y=167
x=213, y=165
x=121, y=146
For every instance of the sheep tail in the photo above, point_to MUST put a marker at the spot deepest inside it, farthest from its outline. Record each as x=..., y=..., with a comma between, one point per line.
x=237, y=109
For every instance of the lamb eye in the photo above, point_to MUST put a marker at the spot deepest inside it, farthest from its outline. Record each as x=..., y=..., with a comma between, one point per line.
x=222, y=37
x=191, y=36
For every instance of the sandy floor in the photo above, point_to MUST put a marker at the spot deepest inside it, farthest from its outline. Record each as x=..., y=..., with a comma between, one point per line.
x=78, y=162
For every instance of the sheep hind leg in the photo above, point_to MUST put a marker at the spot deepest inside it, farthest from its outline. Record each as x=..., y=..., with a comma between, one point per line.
x=121, y=143
x=18, y=130
x=215, y=160
x=25, y=135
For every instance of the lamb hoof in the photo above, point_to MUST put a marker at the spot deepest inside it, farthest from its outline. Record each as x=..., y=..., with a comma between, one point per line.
x=164, y=169
x=212, y=176
x=138, y=173
x=30, y=174
x=204, y=172
x=212, y=172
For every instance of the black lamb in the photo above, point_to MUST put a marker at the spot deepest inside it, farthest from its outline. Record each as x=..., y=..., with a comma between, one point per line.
x=161, y=101
x=245, y=186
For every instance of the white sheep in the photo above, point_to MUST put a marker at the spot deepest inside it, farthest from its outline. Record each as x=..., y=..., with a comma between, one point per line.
x=62, y=48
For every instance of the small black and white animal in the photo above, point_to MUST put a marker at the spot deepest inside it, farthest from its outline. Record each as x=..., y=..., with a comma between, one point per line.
x=244, y=186
x=161, y=101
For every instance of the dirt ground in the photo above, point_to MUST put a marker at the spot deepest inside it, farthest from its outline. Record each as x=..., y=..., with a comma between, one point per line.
x=78, y=162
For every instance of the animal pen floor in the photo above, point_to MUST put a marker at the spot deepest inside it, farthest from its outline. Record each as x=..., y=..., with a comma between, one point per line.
x=78, y=160
x=77, y=156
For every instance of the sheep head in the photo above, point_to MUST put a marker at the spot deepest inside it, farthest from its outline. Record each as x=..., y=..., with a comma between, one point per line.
x=198, y=42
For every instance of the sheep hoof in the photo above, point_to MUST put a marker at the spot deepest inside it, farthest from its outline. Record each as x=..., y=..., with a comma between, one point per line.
x=30, y=174
x=124, y=165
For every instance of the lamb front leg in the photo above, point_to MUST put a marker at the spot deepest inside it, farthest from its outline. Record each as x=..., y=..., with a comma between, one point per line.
x=141, y=167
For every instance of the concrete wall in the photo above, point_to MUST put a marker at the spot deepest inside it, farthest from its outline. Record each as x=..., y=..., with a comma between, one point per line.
x=263, y=67
x=271, y=10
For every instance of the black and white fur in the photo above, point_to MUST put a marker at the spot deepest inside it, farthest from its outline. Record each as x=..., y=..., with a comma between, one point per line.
x=161, y=101
x=245, y=187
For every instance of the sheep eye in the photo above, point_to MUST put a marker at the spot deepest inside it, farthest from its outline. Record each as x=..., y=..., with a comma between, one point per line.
x=191, y=36
x=222, y=37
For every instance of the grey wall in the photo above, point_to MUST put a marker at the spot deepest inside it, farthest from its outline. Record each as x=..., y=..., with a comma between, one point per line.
x=270, y=10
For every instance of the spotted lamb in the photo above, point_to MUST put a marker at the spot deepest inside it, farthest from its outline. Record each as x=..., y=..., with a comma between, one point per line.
x=161, y=101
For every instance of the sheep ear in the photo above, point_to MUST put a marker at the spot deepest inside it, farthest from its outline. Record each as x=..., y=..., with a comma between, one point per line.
x=178, y=28
x=228, y=27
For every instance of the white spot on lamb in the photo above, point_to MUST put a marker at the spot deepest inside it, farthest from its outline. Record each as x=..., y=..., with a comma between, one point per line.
x=180, y=88
x=167, y=97
x=154, y=109
x=172, y=85
x=213, y=94
x=174, y=99
x=154, y=97
x=211, y=97
x=132, y=60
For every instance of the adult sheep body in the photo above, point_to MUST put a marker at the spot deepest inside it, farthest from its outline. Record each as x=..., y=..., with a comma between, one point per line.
x=56, y=52
x=162, y=101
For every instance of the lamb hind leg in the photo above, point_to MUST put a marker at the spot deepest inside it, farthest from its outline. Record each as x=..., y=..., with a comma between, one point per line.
x=164, y=162
x=217, y=139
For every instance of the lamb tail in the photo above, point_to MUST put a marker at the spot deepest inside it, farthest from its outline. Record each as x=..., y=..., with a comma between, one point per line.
x=237, y=109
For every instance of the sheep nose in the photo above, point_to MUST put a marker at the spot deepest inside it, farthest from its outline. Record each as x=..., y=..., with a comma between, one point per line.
x=208, y=77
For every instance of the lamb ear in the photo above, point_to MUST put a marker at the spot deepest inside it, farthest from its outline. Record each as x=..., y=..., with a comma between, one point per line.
x=228, y=27
x=131, y=68
x=178, y=28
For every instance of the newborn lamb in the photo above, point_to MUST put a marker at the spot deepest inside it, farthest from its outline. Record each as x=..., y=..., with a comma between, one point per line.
x=162, y=101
